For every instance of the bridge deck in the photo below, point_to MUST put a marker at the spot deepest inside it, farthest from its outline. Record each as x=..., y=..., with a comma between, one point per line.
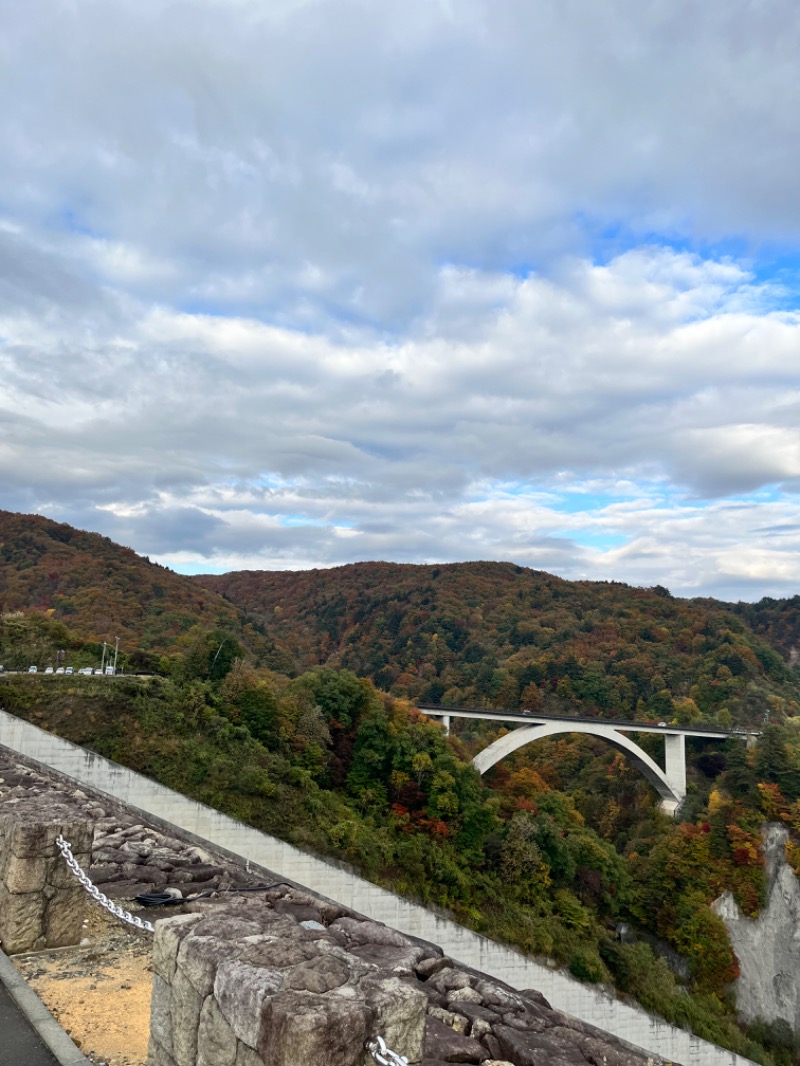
x=624, y=726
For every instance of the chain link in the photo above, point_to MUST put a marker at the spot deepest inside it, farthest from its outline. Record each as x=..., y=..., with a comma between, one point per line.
x=132, y=919
x=383, y=1055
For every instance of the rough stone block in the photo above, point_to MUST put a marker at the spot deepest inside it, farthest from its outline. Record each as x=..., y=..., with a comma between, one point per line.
x=430, y=965
x=303, y=1028
x=30, y=839
x=158, y=1056
x=216, y=1042
x=245, y=1056
x=127, y=889
x=596, y=1048
x=445, y=1044
x=63, y=921
x=150, y=874
x=399, y=960
x=463, y=995
x=301, y=912
x=496, y=995
x=79, y=834
x=457, y=1022
x=227, y=927
x=241, y=991
x=21, y=921
x=366, y=932
x=278, y=954
x=169, y=935
x=536, y=1049
x=25, y=873
x=323, y=974
x=59, y=874
x=160, y=1017
x=185, y=1005
x=397, y=1012
x=102, y=874
x=199, y=958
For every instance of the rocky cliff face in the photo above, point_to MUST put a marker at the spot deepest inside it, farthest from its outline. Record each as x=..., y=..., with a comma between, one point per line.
x=768, y=947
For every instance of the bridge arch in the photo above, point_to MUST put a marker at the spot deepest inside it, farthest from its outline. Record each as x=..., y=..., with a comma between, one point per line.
x=670, y=784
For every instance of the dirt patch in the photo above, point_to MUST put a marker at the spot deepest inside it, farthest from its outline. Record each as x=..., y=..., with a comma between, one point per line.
x=99, y=991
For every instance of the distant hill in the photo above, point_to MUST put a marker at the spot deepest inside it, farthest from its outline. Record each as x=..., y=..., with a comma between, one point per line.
x=484, y=633
x=101, y=590
x=777, y=621
x=496, y=634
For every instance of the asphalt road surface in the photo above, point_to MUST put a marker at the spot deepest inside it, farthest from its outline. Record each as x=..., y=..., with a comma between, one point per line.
x=20, y=1045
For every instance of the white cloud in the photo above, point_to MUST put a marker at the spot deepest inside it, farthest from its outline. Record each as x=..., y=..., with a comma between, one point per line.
x=322, y=280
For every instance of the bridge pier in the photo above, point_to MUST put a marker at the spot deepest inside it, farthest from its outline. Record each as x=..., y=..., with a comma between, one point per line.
x=675, y=768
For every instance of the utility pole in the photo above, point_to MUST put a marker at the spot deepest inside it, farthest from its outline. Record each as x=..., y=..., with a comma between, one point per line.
x=116, y=653
x=103, y=660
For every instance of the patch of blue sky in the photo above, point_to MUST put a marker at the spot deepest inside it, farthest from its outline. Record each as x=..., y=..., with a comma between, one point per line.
x=782, y=273
x=499, y=263
x=598, y=540
x=767, y=494
x=299, y=314
x=202, y=567
x=204, y=309
x=268, y=482
x=70, y=219
x=764, y=494
x=767, y=262
x=391, y=452
x=609, y=239
x=505, y=490
x=580, y=502
x=297, y=521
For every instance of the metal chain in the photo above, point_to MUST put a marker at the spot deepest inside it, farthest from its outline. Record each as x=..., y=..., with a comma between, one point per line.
x=376, y=1045
x=383, y=1055
x=132, y=919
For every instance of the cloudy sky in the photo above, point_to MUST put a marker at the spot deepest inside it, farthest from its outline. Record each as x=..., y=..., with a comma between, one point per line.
x=294, y=283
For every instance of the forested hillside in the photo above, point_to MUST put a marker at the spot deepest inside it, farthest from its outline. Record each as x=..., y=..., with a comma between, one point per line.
x=254, y=712
x=778, y=621
x=326, y=761
x=495, y=634
x=103, y=590
x=482, y=634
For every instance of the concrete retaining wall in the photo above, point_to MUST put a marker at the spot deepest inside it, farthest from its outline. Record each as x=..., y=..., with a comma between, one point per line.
x=337, y=883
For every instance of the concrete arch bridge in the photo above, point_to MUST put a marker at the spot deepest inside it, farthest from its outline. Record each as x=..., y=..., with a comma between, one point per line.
x=669, y=781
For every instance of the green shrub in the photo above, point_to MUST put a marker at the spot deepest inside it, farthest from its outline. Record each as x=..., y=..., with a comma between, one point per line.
x=586, y=965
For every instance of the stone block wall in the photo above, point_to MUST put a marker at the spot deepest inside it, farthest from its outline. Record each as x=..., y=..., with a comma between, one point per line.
x=245, y=984
x=42, y=905
x=281, y=978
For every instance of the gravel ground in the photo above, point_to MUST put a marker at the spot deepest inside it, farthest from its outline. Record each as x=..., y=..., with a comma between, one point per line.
x=100, y=990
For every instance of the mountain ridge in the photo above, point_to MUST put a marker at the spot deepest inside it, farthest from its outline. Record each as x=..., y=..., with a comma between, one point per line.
x=498, y=634
x=484, y=633
x=100, y=588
